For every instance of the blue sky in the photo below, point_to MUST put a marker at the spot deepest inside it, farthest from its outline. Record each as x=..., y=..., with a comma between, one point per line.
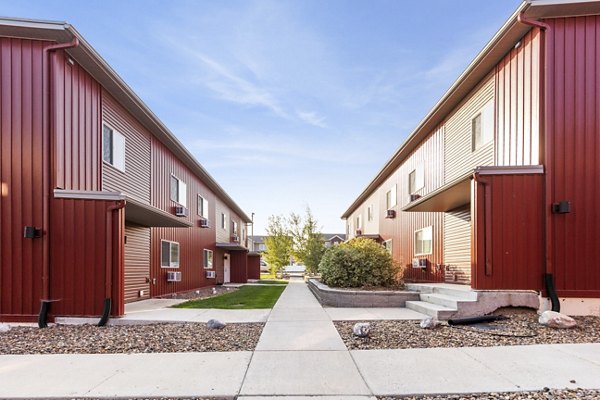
x=285, y=103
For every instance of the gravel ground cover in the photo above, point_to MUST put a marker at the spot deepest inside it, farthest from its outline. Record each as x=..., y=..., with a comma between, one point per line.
x=548, y=394
x=521, y=328
x=156, y=338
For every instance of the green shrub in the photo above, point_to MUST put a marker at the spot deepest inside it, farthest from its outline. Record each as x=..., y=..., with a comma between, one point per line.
x=357, y=263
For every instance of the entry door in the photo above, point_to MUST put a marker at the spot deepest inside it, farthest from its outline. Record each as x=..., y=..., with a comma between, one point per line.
x=227, y=268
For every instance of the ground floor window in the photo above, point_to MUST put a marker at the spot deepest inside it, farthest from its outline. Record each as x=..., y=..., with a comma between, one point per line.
x=388, y=245
x=208, y=259
x=424, y=241
x=169, y=257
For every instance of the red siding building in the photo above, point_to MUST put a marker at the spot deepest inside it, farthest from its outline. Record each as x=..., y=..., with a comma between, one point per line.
x=497, y=185
x=100, y=204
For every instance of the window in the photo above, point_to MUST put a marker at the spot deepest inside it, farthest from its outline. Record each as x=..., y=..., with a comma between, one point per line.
x=178, y=191
x=388, y=245
x=416, y=180
x=223, y=221
x=208, y=259
x=202, y=207
x=390, y=198
x=169, y=257
x=424, y=241
x=482, y=127
x=370, y=213
x=359, y=222
x=234, y=228
x=113, y=148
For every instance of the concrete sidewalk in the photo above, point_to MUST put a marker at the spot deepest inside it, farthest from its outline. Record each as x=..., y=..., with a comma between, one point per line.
x=301, y=354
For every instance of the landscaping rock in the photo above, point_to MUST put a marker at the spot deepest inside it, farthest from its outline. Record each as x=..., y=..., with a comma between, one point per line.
x=4, y=328
x=215, y=324
x=361, y=329
x=429, y=323
x=555, y=319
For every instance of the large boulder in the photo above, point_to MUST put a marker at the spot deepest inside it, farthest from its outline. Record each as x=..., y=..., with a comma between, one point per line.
x=429, y=323
x=361, y=329
x=555, y=319
x=215, y=324
x=4, y=328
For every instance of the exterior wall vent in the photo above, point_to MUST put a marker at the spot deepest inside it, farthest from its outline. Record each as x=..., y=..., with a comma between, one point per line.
x=414, y=197
x=211, y=274
x=204, y=223
x=391, y=214
x=181, y=211
x=173, y=276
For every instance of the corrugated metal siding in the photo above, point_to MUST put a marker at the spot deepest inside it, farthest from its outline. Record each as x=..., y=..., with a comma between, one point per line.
x=82, y=238
x=239, y=267
x=457, y=245
x=76, y=126
x=517, y=104
x=573, y=152
x=508, y=248
x=23, y=191
x=254, y=267
x=459, y=156
x=402, y=228
x=137, y=262
x=135, y=181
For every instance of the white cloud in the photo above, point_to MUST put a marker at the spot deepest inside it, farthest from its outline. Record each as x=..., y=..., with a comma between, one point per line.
x=312, y=118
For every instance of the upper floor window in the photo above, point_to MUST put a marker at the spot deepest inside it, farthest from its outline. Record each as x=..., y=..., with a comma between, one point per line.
x=234, y=228
x=390, y=198
x=202, y=207
x=178, y=191
x=223, y=221
x=482, y=127
x=169, y=257
x=416, y=180
x=113, y=148
x=359, y=222
x=370, y=213
x=424, y=241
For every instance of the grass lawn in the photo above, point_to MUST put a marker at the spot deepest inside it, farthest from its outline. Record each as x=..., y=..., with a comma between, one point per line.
x=246, y=297
x=272, y=282
x=267, y=276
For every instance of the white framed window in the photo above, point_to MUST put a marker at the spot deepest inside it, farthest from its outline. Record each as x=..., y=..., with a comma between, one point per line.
x=482, y=127
x=234, y=227
x=169, y=254
x=370, y=213
x=223, y=221
x=416, y=180
x=208, y=259
x=113, y=147
x=388, y=245
x=178, y=191
x=424, y=241
x=202, y=207
x=390, y=197
x=359, y=222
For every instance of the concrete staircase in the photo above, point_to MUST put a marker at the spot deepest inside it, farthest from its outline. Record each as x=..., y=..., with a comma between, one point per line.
x=442, y=301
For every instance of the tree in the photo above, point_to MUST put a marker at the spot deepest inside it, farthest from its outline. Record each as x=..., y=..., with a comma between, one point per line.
x=308, y=243
x=278, y=242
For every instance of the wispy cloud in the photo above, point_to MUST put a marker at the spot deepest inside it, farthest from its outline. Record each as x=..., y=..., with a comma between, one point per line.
x=312, y=118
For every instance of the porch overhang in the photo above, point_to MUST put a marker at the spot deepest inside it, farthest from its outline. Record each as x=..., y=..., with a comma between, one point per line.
x=135, y=211
x=231, y=246
x=453, y=195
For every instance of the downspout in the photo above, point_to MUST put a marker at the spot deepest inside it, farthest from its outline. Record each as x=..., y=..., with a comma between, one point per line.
x=48, y=173
x=110, y=240
x=487, y=217
x=549, y=267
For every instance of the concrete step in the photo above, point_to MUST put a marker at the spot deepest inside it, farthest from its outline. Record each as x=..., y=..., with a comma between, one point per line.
x=433, y=310
x=460, y=291
x=444, y=300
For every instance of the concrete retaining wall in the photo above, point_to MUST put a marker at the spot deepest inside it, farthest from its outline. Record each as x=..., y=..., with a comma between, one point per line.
x=331, y=297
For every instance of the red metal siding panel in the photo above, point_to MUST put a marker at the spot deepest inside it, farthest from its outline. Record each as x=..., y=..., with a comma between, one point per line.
x=401, y=229
x=253, y=267
x=83, y=233
x=517, y=104
x=76, y=123
x=508, y=247
x=239, y=267
x=23, y=150
x=572, y=124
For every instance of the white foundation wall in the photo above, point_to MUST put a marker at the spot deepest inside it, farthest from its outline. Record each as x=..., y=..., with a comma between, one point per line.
x=573, y=306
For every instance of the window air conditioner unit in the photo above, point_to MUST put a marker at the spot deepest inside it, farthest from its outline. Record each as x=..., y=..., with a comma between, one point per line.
x=391, y=214
x=173, y=276
x=235, y=238
x=414, y=197
x=181, y=211
x=358, y=232
x=211, y=274
x=204, y=223
x=419, y=263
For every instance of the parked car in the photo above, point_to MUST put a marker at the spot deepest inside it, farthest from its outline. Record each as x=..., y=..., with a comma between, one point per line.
x=264, y=267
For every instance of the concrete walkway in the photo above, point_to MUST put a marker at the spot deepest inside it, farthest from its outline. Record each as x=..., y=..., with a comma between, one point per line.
x=300, y=355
